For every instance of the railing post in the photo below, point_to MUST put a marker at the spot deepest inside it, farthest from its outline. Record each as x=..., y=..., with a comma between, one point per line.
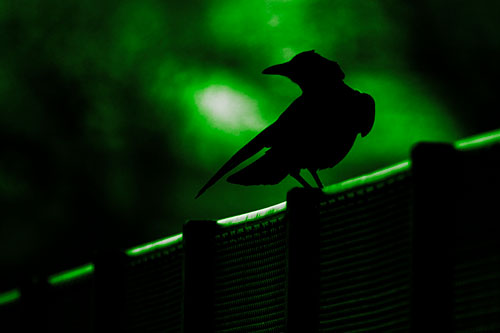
x=110, y=291
x=434, y=171
x=198, y=307
x=34, y=305
x=302, y=294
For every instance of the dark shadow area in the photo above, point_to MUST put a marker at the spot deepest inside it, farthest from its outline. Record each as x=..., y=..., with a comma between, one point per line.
x=454, y=46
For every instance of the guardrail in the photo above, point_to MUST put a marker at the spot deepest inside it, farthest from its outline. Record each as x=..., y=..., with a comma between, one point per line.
x=408, y=247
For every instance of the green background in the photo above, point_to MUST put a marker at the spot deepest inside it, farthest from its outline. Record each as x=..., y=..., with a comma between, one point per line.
x=115, y=113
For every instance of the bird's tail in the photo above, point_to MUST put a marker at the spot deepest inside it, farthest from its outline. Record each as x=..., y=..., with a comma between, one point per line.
x=267, y=170
x=250, y=149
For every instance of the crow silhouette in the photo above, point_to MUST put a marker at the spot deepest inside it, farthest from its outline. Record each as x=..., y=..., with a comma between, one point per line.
x=315, y=132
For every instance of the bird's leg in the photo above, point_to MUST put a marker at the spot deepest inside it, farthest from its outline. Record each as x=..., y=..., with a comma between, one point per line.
x=316, y=177
x=300, y=179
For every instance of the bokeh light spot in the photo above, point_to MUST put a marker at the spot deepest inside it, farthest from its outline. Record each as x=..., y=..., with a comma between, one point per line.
x=274, y=21
x=228, y=109
x=288, y=53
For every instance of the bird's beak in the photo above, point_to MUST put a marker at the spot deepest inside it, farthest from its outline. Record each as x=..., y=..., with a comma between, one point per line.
x=281, y=69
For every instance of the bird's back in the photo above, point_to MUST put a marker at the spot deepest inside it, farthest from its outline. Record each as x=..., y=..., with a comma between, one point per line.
x=318, y=129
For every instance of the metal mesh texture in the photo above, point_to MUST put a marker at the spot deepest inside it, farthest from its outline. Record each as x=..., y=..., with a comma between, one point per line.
x=477, y=292
x=153, y=285
x=365, y=258
x=477, y=241
x=249, y=279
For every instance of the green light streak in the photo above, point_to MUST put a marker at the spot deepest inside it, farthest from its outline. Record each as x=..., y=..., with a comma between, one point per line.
x=478, y=140
x=71, y=274
x=253, y=215
x=145, y=248
x=368, y=178
x=375, y=176
x=351, y=183
x=9, y=296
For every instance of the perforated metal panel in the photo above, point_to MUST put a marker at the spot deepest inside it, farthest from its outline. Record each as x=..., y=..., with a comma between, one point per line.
x=477, y=241
x=154, y=291
x=365, y=258
x=250, y=277
x=477, y=293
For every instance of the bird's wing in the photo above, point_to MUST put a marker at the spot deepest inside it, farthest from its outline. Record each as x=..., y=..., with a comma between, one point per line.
x=261, y=141
x=267, y=138
x=366, y=107
x=267, y=170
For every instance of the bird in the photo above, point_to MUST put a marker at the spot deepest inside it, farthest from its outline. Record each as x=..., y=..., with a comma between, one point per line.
x=315, y=132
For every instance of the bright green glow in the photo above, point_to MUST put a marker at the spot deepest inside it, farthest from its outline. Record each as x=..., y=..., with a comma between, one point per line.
x=254, y=215
x=407, y=112
x=217, y=107
x=478, y=140
x=228, y=109
x=141, y=249
x=71, y=274
x=369, y=178
x=9, y=296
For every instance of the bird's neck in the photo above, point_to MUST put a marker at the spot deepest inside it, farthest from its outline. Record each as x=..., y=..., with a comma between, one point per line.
x=323, y=87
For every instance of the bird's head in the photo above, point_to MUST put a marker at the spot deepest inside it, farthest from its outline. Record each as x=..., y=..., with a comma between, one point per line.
x=308, y=69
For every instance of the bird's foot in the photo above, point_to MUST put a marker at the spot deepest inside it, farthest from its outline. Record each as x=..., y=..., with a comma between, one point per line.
x=301, y=180
x=316, y=177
